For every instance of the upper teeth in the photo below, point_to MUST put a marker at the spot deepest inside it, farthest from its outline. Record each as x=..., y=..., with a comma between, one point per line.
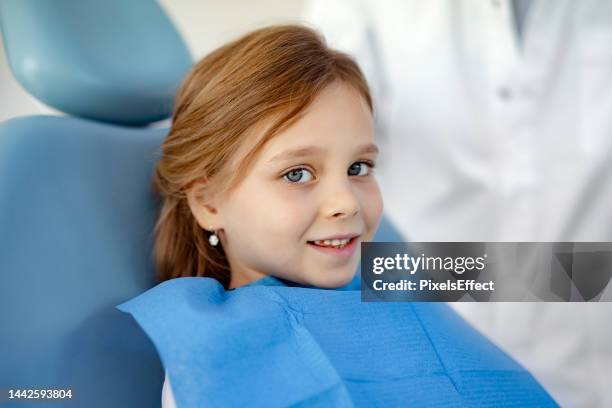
x=333, y=242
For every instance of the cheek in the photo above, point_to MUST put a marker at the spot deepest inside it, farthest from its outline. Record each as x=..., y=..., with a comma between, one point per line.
x=267, y=228
x=270, y=213
x=372, y=205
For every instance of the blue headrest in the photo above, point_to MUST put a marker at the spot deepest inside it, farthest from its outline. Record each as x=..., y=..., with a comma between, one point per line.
x=113, y=61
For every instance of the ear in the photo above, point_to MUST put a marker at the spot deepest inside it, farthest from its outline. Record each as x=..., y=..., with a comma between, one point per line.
x=203, y=206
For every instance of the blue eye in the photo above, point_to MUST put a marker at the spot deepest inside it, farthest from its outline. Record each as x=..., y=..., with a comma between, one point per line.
x=360, y=169
x=298, y=176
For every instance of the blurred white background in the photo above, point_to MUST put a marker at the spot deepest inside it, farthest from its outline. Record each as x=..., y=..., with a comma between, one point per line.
x=204, y=24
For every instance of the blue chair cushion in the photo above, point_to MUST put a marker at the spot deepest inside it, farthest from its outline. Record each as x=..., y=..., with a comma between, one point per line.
x=76, y=215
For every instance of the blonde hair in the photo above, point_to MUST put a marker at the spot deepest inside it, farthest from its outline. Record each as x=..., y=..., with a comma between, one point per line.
x=270, y=76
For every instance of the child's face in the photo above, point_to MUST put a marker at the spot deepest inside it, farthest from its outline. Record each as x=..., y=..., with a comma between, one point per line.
x=312, y=182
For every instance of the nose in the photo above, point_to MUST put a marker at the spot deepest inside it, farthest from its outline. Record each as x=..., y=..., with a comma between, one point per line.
x=340, y=201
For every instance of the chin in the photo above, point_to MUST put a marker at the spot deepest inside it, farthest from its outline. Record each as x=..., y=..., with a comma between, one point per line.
x=332, y=282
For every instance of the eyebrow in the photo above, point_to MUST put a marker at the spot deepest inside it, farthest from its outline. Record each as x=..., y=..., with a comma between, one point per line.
x=313, y=150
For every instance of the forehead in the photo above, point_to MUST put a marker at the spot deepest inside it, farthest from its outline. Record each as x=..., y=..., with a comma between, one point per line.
x=337, y=119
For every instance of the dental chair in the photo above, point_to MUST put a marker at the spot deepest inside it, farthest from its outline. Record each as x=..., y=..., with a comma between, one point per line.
x=76, y=210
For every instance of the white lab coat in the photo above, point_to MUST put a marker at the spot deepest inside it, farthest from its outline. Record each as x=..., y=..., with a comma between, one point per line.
x=487, y=139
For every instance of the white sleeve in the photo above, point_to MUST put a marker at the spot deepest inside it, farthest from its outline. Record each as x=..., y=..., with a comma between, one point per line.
x=167, y=396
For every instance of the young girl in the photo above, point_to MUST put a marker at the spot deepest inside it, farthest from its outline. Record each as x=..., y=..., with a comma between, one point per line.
x=267, y=184
x=268, y=167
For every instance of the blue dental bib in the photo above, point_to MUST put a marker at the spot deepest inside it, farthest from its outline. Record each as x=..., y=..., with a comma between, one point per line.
x=272, y=345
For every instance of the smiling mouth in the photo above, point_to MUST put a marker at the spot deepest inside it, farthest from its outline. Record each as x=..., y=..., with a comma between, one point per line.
x=333, y=243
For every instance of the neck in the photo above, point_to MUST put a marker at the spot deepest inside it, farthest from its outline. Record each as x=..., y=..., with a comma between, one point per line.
x=240, y=278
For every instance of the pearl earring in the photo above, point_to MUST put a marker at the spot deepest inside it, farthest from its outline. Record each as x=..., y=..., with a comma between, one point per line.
x=213, y=239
